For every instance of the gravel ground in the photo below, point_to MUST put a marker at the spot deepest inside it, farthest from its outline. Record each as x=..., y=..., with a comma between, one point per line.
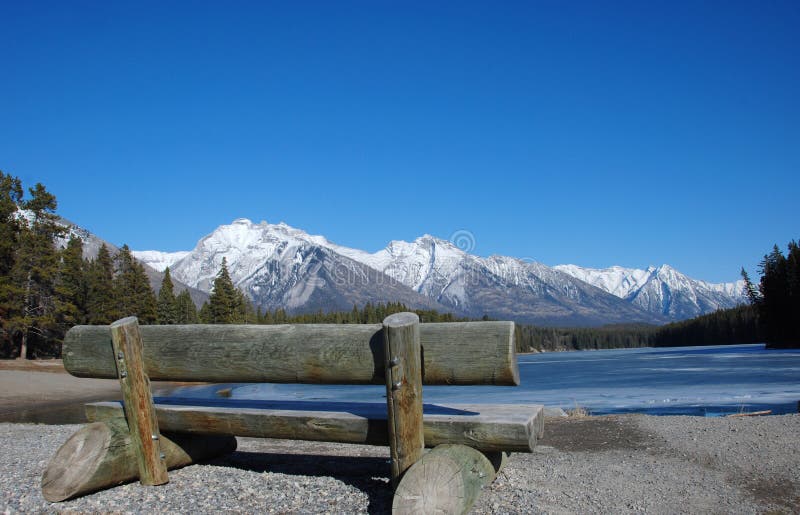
x=621, y=464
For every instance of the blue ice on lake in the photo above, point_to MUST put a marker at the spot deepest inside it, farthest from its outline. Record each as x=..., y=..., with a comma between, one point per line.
x=707, y=381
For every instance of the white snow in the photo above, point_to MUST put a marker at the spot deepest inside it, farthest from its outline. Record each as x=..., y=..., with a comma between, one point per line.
x=159, y=260
x=274, y=257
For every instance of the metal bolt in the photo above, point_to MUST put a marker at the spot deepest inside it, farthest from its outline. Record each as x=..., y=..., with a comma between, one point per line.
x=397, y=385
x=163, y=456
x=123, y=374
x=120, y=355
x=154, y=437
x=394, y=361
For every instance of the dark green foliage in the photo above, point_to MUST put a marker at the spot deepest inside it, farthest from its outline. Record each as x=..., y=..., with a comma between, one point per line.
x=10, y=197
x=71, y=286
x=167, y=306
x=132, y=289
x=778, y=299
x=537, y=339
x=723, y=327
x=205, y=313
x=185, y=310
x=225, y=306
x=31, y=317
x=101, y=305
x=369, y=314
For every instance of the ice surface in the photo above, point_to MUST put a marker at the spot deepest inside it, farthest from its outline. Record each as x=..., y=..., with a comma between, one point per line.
x=691, y=380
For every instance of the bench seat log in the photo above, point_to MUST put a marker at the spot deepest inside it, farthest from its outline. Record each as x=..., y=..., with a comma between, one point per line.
x=488, y=428
x=452, y=353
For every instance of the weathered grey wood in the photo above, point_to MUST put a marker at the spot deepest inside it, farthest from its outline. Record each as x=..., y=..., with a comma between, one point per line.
x=447, y=479
x=490, y=427
x=403, y=391
x=138, y=401
x=453, y=353
x=101, y=455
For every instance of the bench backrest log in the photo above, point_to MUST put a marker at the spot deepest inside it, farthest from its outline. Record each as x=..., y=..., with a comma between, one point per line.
x=463, y=353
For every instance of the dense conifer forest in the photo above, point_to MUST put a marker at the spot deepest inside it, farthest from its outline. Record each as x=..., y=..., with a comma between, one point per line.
x=47, y=286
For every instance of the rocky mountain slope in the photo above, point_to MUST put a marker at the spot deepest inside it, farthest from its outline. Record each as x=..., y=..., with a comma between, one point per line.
x=277, y=265
x=662, y=289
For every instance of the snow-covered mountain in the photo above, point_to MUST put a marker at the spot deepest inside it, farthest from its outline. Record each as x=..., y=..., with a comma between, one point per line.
x=661, y=289
x=277, y=265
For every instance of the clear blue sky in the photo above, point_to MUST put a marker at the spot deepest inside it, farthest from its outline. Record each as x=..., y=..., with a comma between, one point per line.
x=595, y=133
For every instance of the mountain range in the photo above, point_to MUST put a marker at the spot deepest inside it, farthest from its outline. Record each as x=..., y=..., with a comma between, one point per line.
x=279, y=266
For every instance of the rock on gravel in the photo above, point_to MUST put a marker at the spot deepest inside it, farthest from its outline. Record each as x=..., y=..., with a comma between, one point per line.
x=620, y=464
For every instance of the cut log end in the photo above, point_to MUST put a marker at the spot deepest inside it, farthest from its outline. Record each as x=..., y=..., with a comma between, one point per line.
x=124, y=322
x=78, y=459
x=101, y=455
x=448, y=479
x=401, y=320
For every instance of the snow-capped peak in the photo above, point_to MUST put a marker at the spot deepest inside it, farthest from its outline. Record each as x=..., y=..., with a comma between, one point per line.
x=661, y=288
x=159, y=260
x=277, y=263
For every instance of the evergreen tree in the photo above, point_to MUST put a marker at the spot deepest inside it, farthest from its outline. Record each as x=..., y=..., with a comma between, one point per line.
x=71, y=287
x=779, y=301
x=10, y=197
x=34, y=272
x=132, y=288
x=167, y=308
x=224, y=304
x=749, y=289
x=185, y=309
x=101, y=306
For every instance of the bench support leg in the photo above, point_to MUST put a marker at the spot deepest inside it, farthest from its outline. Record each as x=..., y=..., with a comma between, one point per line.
x=101, y=455
x=402, y=353
x=448, y=479
x=138, y=401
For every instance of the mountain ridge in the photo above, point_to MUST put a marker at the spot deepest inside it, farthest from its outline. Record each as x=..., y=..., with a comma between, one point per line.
x=278, y=265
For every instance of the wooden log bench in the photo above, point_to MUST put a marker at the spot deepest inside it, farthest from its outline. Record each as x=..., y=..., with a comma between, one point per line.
x=143, y=437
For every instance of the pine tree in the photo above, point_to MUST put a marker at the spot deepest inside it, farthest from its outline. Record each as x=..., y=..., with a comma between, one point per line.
x=750, y=290
x=34, y=272
x=185, y=311
x=101, y=306
x=223, y=305
x=71, y=287
x=132, y=288
x=10, y=197
x=167, y=307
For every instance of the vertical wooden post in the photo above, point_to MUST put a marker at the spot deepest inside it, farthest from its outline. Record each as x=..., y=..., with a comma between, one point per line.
x=138, y=401
x=403, y=361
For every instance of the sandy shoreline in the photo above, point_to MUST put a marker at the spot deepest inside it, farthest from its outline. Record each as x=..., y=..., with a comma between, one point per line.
x=610, y=464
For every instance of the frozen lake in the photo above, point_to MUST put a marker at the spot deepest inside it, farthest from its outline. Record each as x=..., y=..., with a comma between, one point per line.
x=665, y=381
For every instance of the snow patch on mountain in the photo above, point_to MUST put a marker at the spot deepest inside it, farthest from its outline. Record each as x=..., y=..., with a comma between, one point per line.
x=280, y=266
x=159, y=260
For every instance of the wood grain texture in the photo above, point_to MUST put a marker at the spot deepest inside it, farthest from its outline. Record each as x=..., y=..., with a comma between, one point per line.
x=138, y=401
x=447, y=479
x=490, y=427
x=453, y=353
x=101, y=455
x=403, y=391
